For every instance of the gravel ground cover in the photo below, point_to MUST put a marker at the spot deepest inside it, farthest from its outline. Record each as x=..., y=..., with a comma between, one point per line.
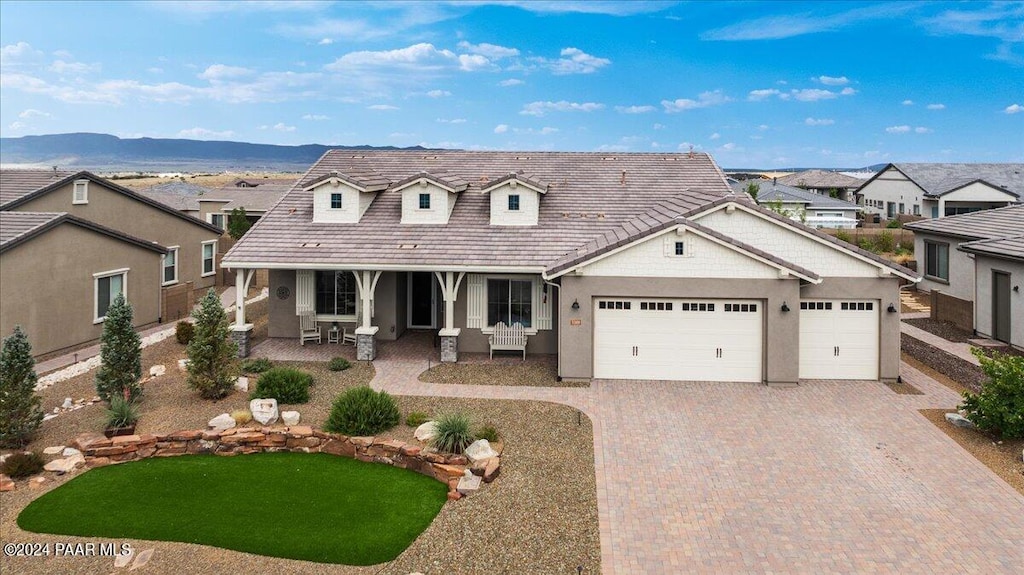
x=903, y=388
x=949, y=365
x=476, y=369
x=943, y=329
x=1002, y=457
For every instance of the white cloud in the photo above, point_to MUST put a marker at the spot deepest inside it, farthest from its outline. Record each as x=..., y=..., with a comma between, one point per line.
x=69, y=94
x=704, y=100
x=511, y=82
x=382, y=107
x=903, y=129
x=541, y=108
x=316, y=117
x=834, y=81
x=501, y=128
x=763, y=127
x=72, y=68
x=545, y=131
x=474, y=62
x=438, y=93
x=219, y=72
x=729, y=147
x=908, y=102
x=922, y=130
x=204, y=134
x=812, y=94
x=491, y=51
x=936, y=106
x=452, y=121
x=1014, y=109
x=688, y=146
x=714, y=136
x=635, y=109
x=819, y=121
x=16, y=126
x=573, y=61
x=155, y=70
x=658, y=126
x=325, y=42
x=777, y=27
x=20, y=53
x=32, y=113
x=758, y=95
x=422, y=56
x=847, y=91
x=282, y=127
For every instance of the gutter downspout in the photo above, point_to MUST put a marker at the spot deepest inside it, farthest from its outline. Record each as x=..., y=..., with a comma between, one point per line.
x=559, y=344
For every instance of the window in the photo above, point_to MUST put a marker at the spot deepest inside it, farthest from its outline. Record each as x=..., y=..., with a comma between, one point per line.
x=216, y=219
x=615, y=305
x=171, y=266
x=209, y=258
x=936, y=260
x=424, y=201
x=741, y=307
x=336, y=201
x=694, y=306
x=890, y=209
x=917, y=209
x=335, y=293
x=680, y=248
x=902, y=208
x=818, y=305
x=510, y=301
x=513, y=202
x=857, y=306
x=107, y=287
x=656, y=306
x=81, y=192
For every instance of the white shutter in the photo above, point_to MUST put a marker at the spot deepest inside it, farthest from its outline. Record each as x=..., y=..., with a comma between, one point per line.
x=476, y=302
x=305, y=292
x=542, y=304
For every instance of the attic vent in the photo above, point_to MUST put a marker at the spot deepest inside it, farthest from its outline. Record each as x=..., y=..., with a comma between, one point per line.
x=430, y=157
x=609, y=158
x=310, y=245
x=522, y=157
x=407, y=246
x=358, y=157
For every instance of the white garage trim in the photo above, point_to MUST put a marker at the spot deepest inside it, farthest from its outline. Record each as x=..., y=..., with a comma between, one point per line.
x=839, y=339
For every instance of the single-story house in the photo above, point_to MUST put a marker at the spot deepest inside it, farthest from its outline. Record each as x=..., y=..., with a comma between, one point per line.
x=214, y=205
x=813, y=209
x=999, y=273
x=939, y=190
x=956, y=254
x=628, y=266
x=827, y=183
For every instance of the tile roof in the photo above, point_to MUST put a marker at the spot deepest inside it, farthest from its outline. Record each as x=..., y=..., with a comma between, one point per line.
x=530, y=179
x=984, y=225
x=939, y=179
x=453, y=182
x=15, y=184
x=821, y=179
x=769, y=191
x=1011, y=247
x=19, y=227
x=186, y=196
x=589, y=195
x=13, y=225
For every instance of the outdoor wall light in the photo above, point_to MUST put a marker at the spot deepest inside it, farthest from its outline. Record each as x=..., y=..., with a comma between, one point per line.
x=891, y=308
x=575, y=305
x=785, y=306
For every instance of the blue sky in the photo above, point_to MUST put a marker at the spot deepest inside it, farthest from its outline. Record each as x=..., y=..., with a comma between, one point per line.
x=754, y=83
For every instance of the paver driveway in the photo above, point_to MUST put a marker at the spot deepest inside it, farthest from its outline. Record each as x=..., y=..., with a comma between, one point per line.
x=828, y=477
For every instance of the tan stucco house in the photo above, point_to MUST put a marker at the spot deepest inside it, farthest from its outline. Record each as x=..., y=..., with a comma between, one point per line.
x=935, y=190
x=628, y=266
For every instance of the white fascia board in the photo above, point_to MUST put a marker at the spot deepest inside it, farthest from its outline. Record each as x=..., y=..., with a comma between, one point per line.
x=537, y=270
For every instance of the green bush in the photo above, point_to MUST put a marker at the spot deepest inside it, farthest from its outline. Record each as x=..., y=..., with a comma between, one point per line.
x=120, y=353
x=21, y=413
x=18, y=465
x=416, y=419
x=894, y=224
x=488, y=432
x=866, y=244
x=285, y=384
x=885, y=242
x=256, y=365
x=453, y=434
x=363, y=411
x=122, y=412
x=999, y=408
x=212, y=355
x=183, y=332
x=338, y=364
x=844, y=236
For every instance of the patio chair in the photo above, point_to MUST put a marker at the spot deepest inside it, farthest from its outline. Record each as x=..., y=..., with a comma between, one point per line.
x=347, y=337
x=308, y=328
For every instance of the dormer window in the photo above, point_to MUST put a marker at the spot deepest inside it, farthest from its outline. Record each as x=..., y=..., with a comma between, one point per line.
x=80, y=195
x=680, y=248
x=344, y=198
x=515, y=199
x=513, y=202
x=424, y=201
x=336, y=201
x=429, y=198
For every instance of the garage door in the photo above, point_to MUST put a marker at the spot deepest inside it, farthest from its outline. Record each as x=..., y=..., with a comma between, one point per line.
x=678, y=339
x=839, y=339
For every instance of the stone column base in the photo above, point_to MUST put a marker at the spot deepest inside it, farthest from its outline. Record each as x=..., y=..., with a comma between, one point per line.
x=450, y=345
x=242, y=335
x=366, y=343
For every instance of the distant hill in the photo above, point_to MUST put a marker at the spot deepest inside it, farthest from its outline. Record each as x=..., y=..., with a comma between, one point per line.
x=110, y=153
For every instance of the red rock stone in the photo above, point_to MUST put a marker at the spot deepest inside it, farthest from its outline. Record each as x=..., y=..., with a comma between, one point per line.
x=361, y=441
x=457, y=460
x=393, y=445
x=498, y=447
x=147, y=440
x=125, y=439
x=124, y=456
x=363, y=457
x=376, y=451
x=97, y=461
x=228, y=432
x=308, y=441
x=251, y=437
x=211, y=435
x=37, y=482
x=454, y=496
x=185, y=435
x=87, y=441
x=227, y=453
x=169, y=451
x=323, y=434
x=446, y=471
x=6, y=483
x=300, y=431
x=434, y=457
x=109, y=451
x=411, y=450
x=338, y=447
x=145, y=452
x=492, y=469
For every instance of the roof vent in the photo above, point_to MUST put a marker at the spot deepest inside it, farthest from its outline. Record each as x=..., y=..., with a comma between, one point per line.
x=407, y=246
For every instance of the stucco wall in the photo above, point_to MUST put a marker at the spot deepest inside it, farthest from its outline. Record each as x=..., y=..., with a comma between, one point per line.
x=892, y=186
x=983, y=306
x=47, y=286
x=961, y=267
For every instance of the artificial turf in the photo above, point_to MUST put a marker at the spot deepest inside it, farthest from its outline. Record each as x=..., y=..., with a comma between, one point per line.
x=314, y=507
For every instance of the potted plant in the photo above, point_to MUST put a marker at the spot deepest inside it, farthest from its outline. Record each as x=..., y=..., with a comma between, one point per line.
x=121, y=417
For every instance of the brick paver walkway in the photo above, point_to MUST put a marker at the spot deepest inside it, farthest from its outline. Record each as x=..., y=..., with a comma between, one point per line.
x=827, y=477
x=961, y=350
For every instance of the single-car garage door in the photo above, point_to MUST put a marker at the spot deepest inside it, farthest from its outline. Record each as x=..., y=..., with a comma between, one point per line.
x=839, y=339
x=678, y=339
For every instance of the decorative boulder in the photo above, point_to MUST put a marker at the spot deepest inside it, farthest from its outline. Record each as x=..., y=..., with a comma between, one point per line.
x=70, y=451
x=468, y=483
x=959, y=420
x=426, y=432
x=53, y=450
x=290, y=417
x=68, y=404
x=242, y=384
x=6, y=483
x=182, y=365
x=64, y=465
x=222, y=422
x=264, y=410
x=157, y=371
x=480, y=449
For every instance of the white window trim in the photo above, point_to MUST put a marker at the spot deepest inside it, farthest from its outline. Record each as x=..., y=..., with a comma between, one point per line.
x=532, y=330
x=430, y=201
x=202, y=259
x=85, y=194
x=177, y=263
x=224, y=219
x=330, y=201
x=96, y=290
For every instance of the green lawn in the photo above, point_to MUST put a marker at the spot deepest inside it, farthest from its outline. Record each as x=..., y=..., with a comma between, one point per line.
x=314, y=507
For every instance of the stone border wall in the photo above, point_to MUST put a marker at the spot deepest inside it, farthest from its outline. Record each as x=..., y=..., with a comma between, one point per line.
x=959, y=312
x=448, y=469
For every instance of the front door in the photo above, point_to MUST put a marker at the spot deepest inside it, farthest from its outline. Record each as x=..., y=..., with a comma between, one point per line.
x=1001, y=306
x=422, y=300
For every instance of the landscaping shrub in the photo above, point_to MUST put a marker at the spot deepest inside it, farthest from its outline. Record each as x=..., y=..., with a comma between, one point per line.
x=120, y=353
x=416, y=419
x=212, y=355
x=183, y=332
x=488, y=432
x=20, y=411
x=453, y=434
x=999, y=407
x=338, y=364
x=866, y=244
x=885, y=242
x=285, y=384
x=844, y=236
x=238, y=223
x=894, y=224
x=256, y=365
x=241, y=416
x=122, y=412
x=18, y=465
x=363, y=411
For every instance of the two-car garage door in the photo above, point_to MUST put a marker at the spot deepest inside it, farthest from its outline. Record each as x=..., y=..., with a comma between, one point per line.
x=678, y=339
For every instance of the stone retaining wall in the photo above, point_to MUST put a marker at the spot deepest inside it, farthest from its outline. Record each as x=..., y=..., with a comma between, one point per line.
x=448, y=469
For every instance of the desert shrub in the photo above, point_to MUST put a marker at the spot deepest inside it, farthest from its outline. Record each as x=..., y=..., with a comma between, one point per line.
x=21, y=413
x=238, y=223
x=122, y=412
x=363, y=411
x=893, y=224
x=885, y=242
x=212, y=355
x=120, y=353
x=241, y=416
x=453, y=435
x=256, y=365
x=487, y=432
x=999, y=407
x=338, y=364
x=844, y=236
x=866, y=244
x=416, y=419
x=18, y=465
x=285, y=384
x=183, y=332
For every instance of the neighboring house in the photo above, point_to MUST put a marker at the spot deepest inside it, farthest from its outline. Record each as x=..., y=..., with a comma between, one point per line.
x=824, y=182
x=939, y=190
x=216, y=205
x=60, y=273
x=998, y=275
x=189, y=266
x=958, y=255
x=628, y=266
x=813, y=209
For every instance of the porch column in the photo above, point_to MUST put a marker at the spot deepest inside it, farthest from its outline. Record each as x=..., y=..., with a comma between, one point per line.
x=366, y=340
x=942, y=207
x=241, y=332
x=450, y=334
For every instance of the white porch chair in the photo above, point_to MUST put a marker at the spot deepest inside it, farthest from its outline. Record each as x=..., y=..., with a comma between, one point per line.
x=508, y=338
x=308, y=328
x=347, y=337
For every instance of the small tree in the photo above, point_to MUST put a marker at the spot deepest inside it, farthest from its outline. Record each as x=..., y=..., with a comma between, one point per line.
x=999, y=407
x=120, y=354
x=212, y=355
x=20, y=411
x=752, y=189
x=238, y=223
